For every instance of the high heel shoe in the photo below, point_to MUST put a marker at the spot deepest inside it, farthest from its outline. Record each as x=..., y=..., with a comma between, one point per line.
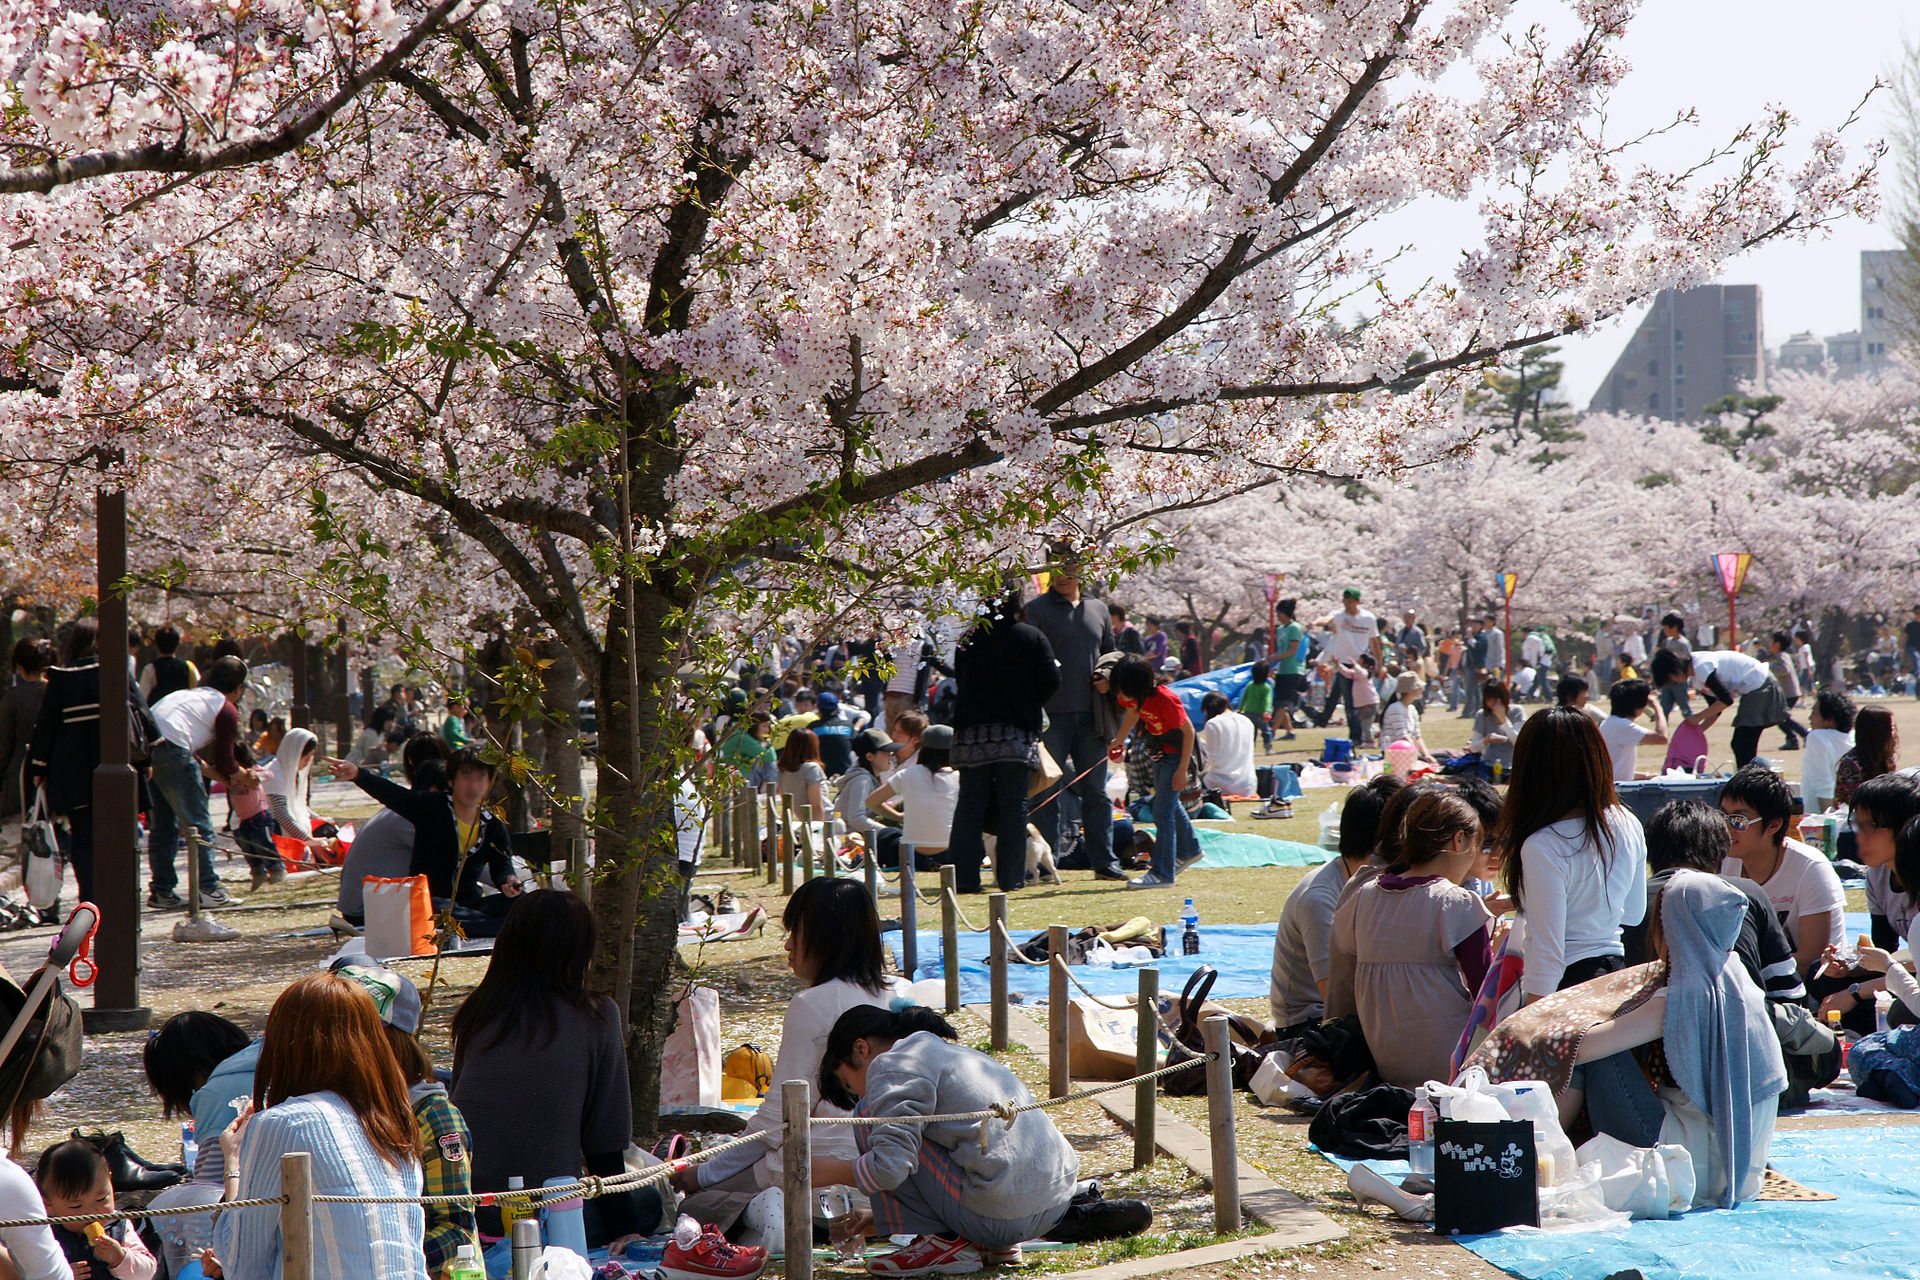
x=1367, y=1185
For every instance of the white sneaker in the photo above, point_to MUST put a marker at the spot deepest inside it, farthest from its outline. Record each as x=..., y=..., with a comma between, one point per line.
x=1149, y=881
x=204, y=929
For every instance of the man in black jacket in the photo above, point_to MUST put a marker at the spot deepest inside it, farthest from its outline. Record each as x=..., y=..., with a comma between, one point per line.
x=453, y=835
x=1080, y=630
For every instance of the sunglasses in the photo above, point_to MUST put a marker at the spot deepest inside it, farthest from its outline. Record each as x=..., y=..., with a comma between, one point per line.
x=1740, y=821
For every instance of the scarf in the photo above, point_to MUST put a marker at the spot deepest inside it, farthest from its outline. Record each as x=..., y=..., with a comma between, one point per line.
x=289, y=781
x=1720, y=1043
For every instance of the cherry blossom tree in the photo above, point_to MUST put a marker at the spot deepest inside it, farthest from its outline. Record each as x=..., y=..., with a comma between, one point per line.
x=707, y=320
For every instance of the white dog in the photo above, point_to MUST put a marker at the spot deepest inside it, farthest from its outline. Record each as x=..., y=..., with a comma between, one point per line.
x=1040, y=866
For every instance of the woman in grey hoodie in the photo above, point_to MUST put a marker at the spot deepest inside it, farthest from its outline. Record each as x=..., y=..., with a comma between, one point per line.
x=970, y=1190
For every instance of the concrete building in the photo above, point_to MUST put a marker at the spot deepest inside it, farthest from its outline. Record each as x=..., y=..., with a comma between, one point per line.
x=1694, y=347
x=1878, y=332
x=1802, y=351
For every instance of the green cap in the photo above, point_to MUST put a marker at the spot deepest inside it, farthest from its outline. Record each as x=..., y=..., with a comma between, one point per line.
x=1351, y=593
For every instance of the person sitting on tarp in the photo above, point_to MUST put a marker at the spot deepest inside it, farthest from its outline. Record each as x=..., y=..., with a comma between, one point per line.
x=1680, y=1050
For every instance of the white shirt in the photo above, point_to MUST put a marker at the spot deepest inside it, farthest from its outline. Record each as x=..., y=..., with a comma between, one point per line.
x=1532, y=651
x=926, y=805
x=1229, y=742
x=1623, y=739
x=689, y=822
x=1818, y=761
x=906, y=669
x=1576, y=897
x=186, y=717
x=1739, y=673
x=1352, y=636
x=36, y=1254
x=1400, y=722
x=1804, y=884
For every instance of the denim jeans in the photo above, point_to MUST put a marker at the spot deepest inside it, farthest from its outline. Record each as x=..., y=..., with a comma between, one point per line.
x=180, y=801
x=1338, y=688
x=1076, y=745
x=1172, y=831
x=1671, y=696
x=999, y=789
x=1620, y=1103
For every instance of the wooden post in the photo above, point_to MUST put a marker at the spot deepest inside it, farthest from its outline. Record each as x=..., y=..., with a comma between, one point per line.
x=909, y=914
x=1226, y=1159
x=296, y=1216
x=806, y=844
x=870, y=868
x=1146, y=1095
x=796, y=1177
x=950, y=936
x=997, y=968
x=771, y=845
x=193, y=869
x=1058, y=1080
x=786, y=845
x=751, y=803
x=722, y=830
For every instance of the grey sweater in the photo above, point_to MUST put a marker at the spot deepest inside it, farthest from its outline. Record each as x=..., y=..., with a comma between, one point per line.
x=1025, y=1168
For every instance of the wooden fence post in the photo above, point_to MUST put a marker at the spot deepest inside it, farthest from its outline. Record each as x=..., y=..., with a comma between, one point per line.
x=796, y=1176
x=1146, y=1094
x=1058, y=1079
x=750, y=808
x=296, y=1216
x=787, y=851
x=909, y=913
x=1226, y=1159
x=997, y=968
x=950, y=936
x=806, y=844
x=772, y=839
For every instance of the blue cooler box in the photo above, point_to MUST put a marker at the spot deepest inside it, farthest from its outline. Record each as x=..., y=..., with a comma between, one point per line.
x=1645, y=798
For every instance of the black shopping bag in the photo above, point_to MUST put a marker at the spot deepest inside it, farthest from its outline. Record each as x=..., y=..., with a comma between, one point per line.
x=1484, y=1177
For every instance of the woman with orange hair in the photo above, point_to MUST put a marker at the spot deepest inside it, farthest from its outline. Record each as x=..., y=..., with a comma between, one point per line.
x=328, y=1084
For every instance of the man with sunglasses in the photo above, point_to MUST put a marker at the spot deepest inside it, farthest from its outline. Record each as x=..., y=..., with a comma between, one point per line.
x=1800, y=883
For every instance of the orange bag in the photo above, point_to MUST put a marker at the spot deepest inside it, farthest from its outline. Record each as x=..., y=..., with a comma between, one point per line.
x=399, y=916
x=292, y=852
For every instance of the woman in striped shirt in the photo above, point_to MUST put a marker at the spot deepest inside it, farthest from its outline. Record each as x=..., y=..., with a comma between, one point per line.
x=326, y=1084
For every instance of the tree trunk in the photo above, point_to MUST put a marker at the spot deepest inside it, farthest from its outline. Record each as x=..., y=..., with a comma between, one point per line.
x=636, y=900
x=560, y=759
x=1826, y=647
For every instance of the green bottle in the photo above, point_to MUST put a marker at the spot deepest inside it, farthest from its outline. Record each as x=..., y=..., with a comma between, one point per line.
x=467, y=1265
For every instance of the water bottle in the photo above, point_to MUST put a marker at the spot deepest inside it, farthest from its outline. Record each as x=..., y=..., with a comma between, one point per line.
x=1189, y=930
x=189, y=1149
x=563, y=1222
x=512, y=1211
x=466, y=1265
x=1422, y=1119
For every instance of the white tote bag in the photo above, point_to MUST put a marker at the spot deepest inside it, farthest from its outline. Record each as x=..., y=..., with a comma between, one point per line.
x=690, y=1059
x=41, y=844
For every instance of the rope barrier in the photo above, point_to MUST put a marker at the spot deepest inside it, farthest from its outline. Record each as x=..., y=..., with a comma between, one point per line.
x=1013, y=949
x=135, y=1215
x=1003, y=1110
x=1068, y=970
x=965, y=923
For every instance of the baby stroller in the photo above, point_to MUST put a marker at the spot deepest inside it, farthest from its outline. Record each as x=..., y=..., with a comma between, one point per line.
x=40, y=1050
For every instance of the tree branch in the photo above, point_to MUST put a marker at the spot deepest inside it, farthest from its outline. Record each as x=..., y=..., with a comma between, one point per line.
x=174, y=158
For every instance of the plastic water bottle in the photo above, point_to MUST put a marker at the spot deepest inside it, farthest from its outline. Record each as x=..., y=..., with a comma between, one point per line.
x=1330, y=827
x=1189, y=930
x=189, y=1149
x=512, y=1211
x=1422, y=1119
x=466, y=1265
x=563, y=1223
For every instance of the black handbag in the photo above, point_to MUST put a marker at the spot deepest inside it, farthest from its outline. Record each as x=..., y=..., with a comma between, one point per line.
x=1188, y=1046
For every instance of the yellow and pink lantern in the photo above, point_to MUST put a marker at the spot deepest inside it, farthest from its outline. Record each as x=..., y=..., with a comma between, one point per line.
x=1506, y=582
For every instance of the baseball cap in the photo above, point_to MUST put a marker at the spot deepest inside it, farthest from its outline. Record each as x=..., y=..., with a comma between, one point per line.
x=394, y=995
x=828, y=702
x=1351, y=593
x=868, y=741
x=938, y=736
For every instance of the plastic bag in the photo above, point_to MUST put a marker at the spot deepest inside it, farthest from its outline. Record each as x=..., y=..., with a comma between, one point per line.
x=555, y=1263
x=1642, y=1182
x=1271, y=1083
x=1576, y=1203
x=1472, y=1100
x=1533, y=1100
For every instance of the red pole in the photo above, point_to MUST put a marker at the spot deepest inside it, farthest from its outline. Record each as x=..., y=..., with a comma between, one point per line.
x=1731, y=633
x=1273, y=631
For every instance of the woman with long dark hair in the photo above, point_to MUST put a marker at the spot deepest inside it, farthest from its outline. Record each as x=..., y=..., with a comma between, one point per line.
x=540, y=1067
x=833, y=947
x=1005, y=673
x=327, y=1084
x=198, y=1064
x=1876, y=746
x=802, y=776
x=1575, y=857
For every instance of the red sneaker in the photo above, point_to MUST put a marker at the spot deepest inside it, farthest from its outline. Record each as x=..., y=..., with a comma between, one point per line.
x=713, y=1257
x=1008, y=1257
x=929, y=1256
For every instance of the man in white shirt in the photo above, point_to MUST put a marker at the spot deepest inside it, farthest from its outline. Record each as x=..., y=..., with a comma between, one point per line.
x=1630, y=699
x=1832, y=737
x=1229, y=741
x=1724, y=676
x=1355, y=631
x=199, y=729
x=1800, y=883
x=1533, y=656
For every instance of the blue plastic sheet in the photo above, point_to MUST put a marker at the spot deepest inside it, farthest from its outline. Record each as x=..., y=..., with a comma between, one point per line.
x=1242, y=953
x=1872, y=1229
x=1226, y=680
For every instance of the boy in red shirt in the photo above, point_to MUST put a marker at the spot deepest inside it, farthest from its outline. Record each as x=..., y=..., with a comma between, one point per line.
x=1157, y=709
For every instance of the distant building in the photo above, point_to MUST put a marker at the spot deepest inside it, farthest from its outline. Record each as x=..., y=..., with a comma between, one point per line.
x=1694, y=347
x=1844, y=353
x=1880, y=321
x=1803, y=352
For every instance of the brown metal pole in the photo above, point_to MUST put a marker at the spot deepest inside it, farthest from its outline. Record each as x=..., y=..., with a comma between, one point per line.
x=116, y=795
x=342, y=702
x=1058, y=1080
x=300, y=713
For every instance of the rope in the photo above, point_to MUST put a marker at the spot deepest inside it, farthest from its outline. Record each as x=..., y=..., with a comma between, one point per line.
x=965, y=923
x=1004, y=1111
x=136, y=1215
x=1064, y=968
x=1013, y=950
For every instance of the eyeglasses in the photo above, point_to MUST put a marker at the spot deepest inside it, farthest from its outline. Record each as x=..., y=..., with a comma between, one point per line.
x=1741, y=821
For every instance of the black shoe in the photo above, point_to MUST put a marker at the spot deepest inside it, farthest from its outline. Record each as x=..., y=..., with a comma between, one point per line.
x=1110, y=873
x=166, y=901
x=129, y=1170
x=1087, y=1220
x=1075, y=861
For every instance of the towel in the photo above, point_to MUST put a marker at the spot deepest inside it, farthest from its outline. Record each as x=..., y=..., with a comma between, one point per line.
x=1720, y=1043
